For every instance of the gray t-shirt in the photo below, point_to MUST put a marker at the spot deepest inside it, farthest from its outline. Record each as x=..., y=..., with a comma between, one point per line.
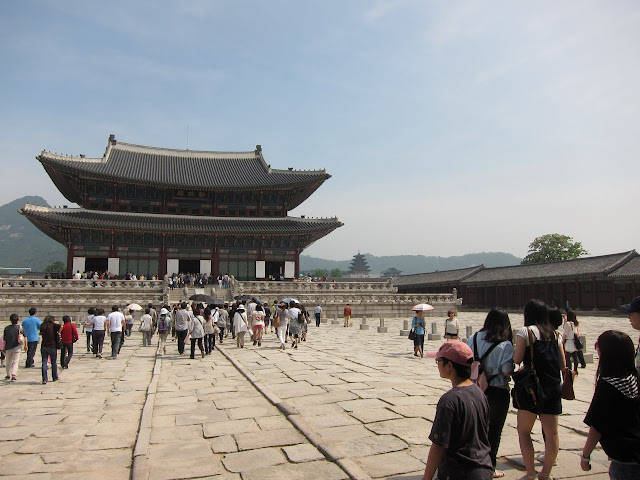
x=461, y=426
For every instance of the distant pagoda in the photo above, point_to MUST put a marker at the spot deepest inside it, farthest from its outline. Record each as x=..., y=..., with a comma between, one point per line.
x=359, y=266
x=158, y=211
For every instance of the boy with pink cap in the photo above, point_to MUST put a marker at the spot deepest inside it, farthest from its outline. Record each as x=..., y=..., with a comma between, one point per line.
x=460, y=432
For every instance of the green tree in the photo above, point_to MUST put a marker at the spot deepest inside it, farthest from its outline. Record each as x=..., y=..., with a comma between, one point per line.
x=553, y=247
x=319, y=272
x=55, y=267
x=335, y=273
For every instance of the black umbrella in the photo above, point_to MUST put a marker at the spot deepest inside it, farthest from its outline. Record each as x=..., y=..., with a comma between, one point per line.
x=201, y=297
x=243, y=297
x=217, y=303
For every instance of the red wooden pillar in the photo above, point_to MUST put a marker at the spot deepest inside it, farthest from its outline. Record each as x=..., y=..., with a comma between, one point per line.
x=70, y=259
x=215, y=263
x=162, y=268
x=297, y=269
x=595, y=294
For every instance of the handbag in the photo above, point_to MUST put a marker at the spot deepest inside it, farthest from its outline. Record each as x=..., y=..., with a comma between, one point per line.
x=58, y=340
x=577, y=342
x=527, y=393
x=567, y=384
x=412, y=334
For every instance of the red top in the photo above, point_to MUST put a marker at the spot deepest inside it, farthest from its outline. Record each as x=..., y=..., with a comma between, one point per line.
x=347, y=311
x=69, y=333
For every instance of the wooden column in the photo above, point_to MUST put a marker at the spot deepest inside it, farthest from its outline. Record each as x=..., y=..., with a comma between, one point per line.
x=215, y=263
x=70, y=259
x=578, y=294
x=595, y=293
x=297, y=269
x=162, y=268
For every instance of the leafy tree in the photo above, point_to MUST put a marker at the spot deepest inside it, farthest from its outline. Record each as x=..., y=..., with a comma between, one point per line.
x=319, y=272
x=55, y=267
x=553, y=247
x=336, y=273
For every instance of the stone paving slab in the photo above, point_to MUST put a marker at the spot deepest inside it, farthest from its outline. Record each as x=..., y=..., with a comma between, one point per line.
x=371, y=406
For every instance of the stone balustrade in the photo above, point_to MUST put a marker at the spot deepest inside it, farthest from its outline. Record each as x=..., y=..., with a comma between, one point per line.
x=311, y=287
x=6, y=284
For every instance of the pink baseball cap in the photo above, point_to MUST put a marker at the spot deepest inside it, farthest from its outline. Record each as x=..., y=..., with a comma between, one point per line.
x=457, y=352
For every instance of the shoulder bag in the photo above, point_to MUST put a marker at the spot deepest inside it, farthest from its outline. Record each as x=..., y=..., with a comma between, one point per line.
x=567, y=384
x=56, y=336
x=576, y=340
x=477, y=370
x=527, y=393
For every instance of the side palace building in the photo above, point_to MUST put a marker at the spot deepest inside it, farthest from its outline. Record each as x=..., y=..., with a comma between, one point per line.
x=158, y=211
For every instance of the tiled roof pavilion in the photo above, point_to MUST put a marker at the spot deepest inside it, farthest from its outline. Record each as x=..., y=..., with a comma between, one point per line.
x=205, y=170
x=618, y=265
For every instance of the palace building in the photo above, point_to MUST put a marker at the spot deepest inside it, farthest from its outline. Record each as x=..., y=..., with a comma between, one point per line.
x=157, y=211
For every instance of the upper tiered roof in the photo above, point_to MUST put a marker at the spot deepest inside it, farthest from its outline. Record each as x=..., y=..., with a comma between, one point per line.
x=164, y=167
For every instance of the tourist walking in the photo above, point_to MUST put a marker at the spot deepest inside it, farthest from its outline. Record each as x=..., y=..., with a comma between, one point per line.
x=571, y=314
x=633, y=309
x=69, y=336
x=451, y=326
x=548, y=360
x=569, y=333
x=347, y=315
x=164, y=328
x=130, y=321
x=182, y=325
x=49, y=331
x=88, y=328
x=145, y=327
x=210, y=329
x=282, y=324
x=99, y=324
x=196, y=332
x=115, y=327
x=31, y=327
x=317, y=312
x=293, y=314
x=614, y=414
x=417, y=325
x=240, y=325
x=258, y=325
x=492, y=347
x=13, y=345
x=459, y=435
x=267, y=317
x=221, y=321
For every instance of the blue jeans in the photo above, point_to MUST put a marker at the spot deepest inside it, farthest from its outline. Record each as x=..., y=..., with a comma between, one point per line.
x=49, y=353
x=624, y=471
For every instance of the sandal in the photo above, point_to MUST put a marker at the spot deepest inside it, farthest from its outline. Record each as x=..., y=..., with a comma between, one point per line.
x=544, y=476
x=529, y=477
x=498, y=474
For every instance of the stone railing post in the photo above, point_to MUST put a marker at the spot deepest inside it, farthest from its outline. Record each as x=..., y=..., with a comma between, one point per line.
x=434, y=335
x=363, y=325
x=405, y=329
x=382, y=328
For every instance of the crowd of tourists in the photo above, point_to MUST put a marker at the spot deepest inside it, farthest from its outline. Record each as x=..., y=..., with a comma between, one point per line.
x=470, y=417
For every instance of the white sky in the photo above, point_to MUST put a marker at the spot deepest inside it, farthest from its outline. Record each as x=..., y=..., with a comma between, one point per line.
x=449, y=127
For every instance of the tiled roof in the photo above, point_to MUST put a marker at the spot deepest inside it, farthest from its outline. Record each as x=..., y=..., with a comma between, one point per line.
x=590, y=266
x=435, y=278
x=631, y=269
x=143, y=222
x=182, y=168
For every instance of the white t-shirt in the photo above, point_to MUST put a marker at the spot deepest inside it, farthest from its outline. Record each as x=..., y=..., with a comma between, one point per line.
x=569, y=332
x=88, y=324
x=115, y=321
x=536, y=333
x=451, y=327
x=293, y=313
x=98, y=322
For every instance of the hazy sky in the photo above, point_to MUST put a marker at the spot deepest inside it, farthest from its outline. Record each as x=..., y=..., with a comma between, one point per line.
x=449, y=127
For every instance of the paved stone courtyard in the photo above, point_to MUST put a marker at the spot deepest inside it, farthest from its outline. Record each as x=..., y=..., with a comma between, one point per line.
x=348, y=403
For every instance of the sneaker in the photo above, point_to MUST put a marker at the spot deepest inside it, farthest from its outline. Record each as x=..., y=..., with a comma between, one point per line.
x=259, y=344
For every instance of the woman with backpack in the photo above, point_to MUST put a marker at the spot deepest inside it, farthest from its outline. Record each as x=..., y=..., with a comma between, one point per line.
x=548, y=360
x=614, y=414
x=492, y=347
x=570, y=333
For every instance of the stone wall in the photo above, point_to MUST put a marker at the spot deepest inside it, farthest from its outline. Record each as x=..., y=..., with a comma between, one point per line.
x=372, y=299
x=74, y=297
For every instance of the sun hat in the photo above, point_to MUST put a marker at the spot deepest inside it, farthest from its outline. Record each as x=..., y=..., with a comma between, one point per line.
x=633, y=306
x=164, y=311
x=458, y=352
x=240, y=307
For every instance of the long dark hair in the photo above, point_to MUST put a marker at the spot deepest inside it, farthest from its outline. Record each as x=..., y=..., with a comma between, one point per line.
x=555, y=317
x=617, y=355
x=571, y=317
x=536, y=313
x=497, y=326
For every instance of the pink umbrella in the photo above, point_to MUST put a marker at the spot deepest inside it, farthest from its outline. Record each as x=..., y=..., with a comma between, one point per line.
x=422, y=307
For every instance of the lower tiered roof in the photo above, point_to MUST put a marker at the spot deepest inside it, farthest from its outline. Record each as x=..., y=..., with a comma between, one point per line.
x=49, y=220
